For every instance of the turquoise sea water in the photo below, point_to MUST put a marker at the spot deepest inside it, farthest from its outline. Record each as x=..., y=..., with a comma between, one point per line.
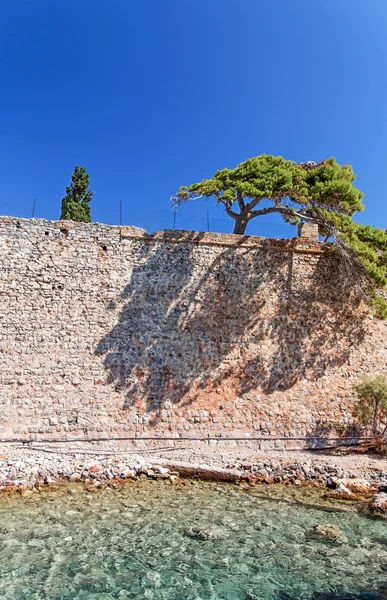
x=137, y=542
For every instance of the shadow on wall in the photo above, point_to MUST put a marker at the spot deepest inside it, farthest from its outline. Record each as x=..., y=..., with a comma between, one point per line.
x=323, y=431
x=195, y=318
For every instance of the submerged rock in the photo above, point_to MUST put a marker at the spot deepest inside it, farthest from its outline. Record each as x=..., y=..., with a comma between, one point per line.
x=327, y=532
x=23, y=491
x=205, y=532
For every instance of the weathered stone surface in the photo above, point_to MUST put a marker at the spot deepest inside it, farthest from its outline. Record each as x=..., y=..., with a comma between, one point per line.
x=379, y=503
x=108, y=332
x=340, y=493
x=359, y=486
x=308, y=231
x=216, y=474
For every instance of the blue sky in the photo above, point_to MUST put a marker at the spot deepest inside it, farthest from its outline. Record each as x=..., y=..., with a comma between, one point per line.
x=149, y=95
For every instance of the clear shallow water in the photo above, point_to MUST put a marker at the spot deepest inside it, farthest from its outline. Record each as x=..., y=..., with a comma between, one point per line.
x=133, y=543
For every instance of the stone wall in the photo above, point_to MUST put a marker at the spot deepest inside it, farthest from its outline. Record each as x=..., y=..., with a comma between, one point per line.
x=109, y=331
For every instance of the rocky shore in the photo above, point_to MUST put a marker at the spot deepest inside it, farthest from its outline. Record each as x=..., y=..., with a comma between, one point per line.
x=28, y=470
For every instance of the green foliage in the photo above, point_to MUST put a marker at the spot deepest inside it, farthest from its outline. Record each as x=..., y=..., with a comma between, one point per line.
x=379, y=304
x=263, y=176
x=296, y=191
x=371, y=407
x=321, y=193
x=370, y=244
x=75, y=205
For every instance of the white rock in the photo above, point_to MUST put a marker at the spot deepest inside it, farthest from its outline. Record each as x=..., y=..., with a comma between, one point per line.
x=379, y=503
x=162, y=470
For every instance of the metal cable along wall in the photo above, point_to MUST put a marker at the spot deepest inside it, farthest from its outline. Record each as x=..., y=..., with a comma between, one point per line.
x=184, y=438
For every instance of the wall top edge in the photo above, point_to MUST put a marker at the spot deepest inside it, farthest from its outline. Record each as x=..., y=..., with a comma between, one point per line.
x=98, y=232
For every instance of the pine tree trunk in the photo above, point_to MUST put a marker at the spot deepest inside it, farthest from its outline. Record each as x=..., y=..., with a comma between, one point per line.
x=240, y=225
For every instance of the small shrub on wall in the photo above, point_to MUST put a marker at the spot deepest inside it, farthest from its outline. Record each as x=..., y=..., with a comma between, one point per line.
x=371, y=406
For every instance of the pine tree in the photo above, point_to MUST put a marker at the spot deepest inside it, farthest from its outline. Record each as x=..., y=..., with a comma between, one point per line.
x=297, y=191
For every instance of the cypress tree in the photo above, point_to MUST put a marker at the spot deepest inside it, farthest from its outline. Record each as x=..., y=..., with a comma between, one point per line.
x=75, y=205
